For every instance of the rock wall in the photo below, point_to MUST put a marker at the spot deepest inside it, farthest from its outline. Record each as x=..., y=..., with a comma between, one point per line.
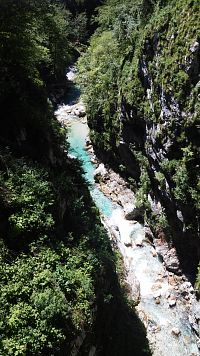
x=148, y=125
x=166, y=141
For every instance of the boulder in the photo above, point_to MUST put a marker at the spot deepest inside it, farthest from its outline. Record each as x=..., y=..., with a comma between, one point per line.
x=168, y=256
x=79, y=112
x=154, y=253
x=88, y=142
x=134, y=286
x=172, y=303
x=195, y=47
x=157, y=300
x=139, y=241
x=128, y=243
x=128, y=209
x=172, y=262
x=176, y=331
x=100, y=173
x=135, y=214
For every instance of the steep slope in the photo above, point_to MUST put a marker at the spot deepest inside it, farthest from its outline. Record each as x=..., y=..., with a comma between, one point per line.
x=141, y=81
x=59, y=289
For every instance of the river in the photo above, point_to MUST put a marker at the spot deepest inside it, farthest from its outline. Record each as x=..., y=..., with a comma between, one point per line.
x=171, y=320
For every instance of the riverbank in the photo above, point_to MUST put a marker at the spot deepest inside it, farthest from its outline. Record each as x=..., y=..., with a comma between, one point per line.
x=166, y=302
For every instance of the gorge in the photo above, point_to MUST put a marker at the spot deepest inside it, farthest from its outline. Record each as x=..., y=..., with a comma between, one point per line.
x=165, y=302
x=99, y=177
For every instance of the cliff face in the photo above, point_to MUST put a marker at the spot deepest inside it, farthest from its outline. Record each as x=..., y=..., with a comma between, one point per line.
x=145, y=121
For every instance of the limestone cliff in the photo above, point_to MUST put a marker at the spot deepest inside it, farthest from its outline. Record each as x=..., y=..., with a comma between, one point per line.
x=143, y=110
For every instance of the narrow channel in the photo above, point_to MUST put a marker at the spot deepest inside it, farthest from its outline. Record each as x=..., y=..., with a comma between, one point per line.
x=161, y=307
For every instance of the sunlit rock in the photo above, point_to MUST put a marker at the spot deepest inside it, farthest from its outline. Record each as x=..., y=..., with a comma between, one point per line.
x=176, y=331
x=100, y=173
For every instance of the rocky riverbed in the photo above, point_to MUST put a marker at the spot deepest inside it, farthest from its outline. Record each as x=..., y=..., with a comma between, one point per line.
x=165, y=299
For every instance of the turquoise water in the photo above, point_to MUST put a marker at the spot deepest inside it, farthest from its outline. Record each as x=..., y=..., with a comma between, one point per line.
x=78, y=133
x=72, y=95
x=146, y=268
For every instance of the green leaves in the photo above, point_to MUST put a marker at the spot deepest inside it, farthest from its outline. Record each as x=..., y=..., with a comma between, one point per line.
x=30, y=197
x=122, y=18
x=98, y=70
x=53, y=248
x=32, y=35
x=197, y=285
x=48, y=271
x=44, y=300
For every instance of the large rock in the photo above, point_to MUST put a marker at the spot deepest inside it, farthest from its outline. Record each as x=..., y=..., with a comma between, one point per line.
x=172, y=262
x=169, y=256
x=79, y=111
x=134, y=286
x=128, y=209
x=176, y=331
x=135, y=214
x=100, y=173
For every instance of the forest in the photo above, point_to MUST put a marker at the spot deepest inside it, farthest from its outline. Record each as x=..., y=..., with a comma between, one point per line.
x=45, y=216
x=57, y=265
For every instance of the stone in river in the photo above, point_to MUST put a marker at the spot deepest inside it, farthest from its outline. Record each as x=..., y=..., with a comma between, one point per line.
x=100, y=173
x=139, y=242
x=172, y=303
x=154, y=253
x=157, y=301
x=176, y=331
x=135, y=214
x=128, y=242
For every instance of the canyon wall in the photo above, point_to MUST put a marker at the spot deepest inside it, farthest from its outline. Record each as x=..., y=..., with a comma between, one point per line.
x=142, y=94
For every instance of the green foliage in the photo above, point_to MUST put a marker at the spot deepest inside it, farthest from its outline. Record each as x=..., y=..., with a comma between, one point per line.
x=79, y=25
x=54, y=252
x=46, y=298
x=49, y=264
x=161, y=222
x=32, y=36
x=29, y=196
x=143, y=191
x=195, y=192
x=102, y=58
x=198, y=280
x=35, y=49
x=161, y=179
x=154, y=82
x=181, y=180
x=137, y=34
x=37, y=44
